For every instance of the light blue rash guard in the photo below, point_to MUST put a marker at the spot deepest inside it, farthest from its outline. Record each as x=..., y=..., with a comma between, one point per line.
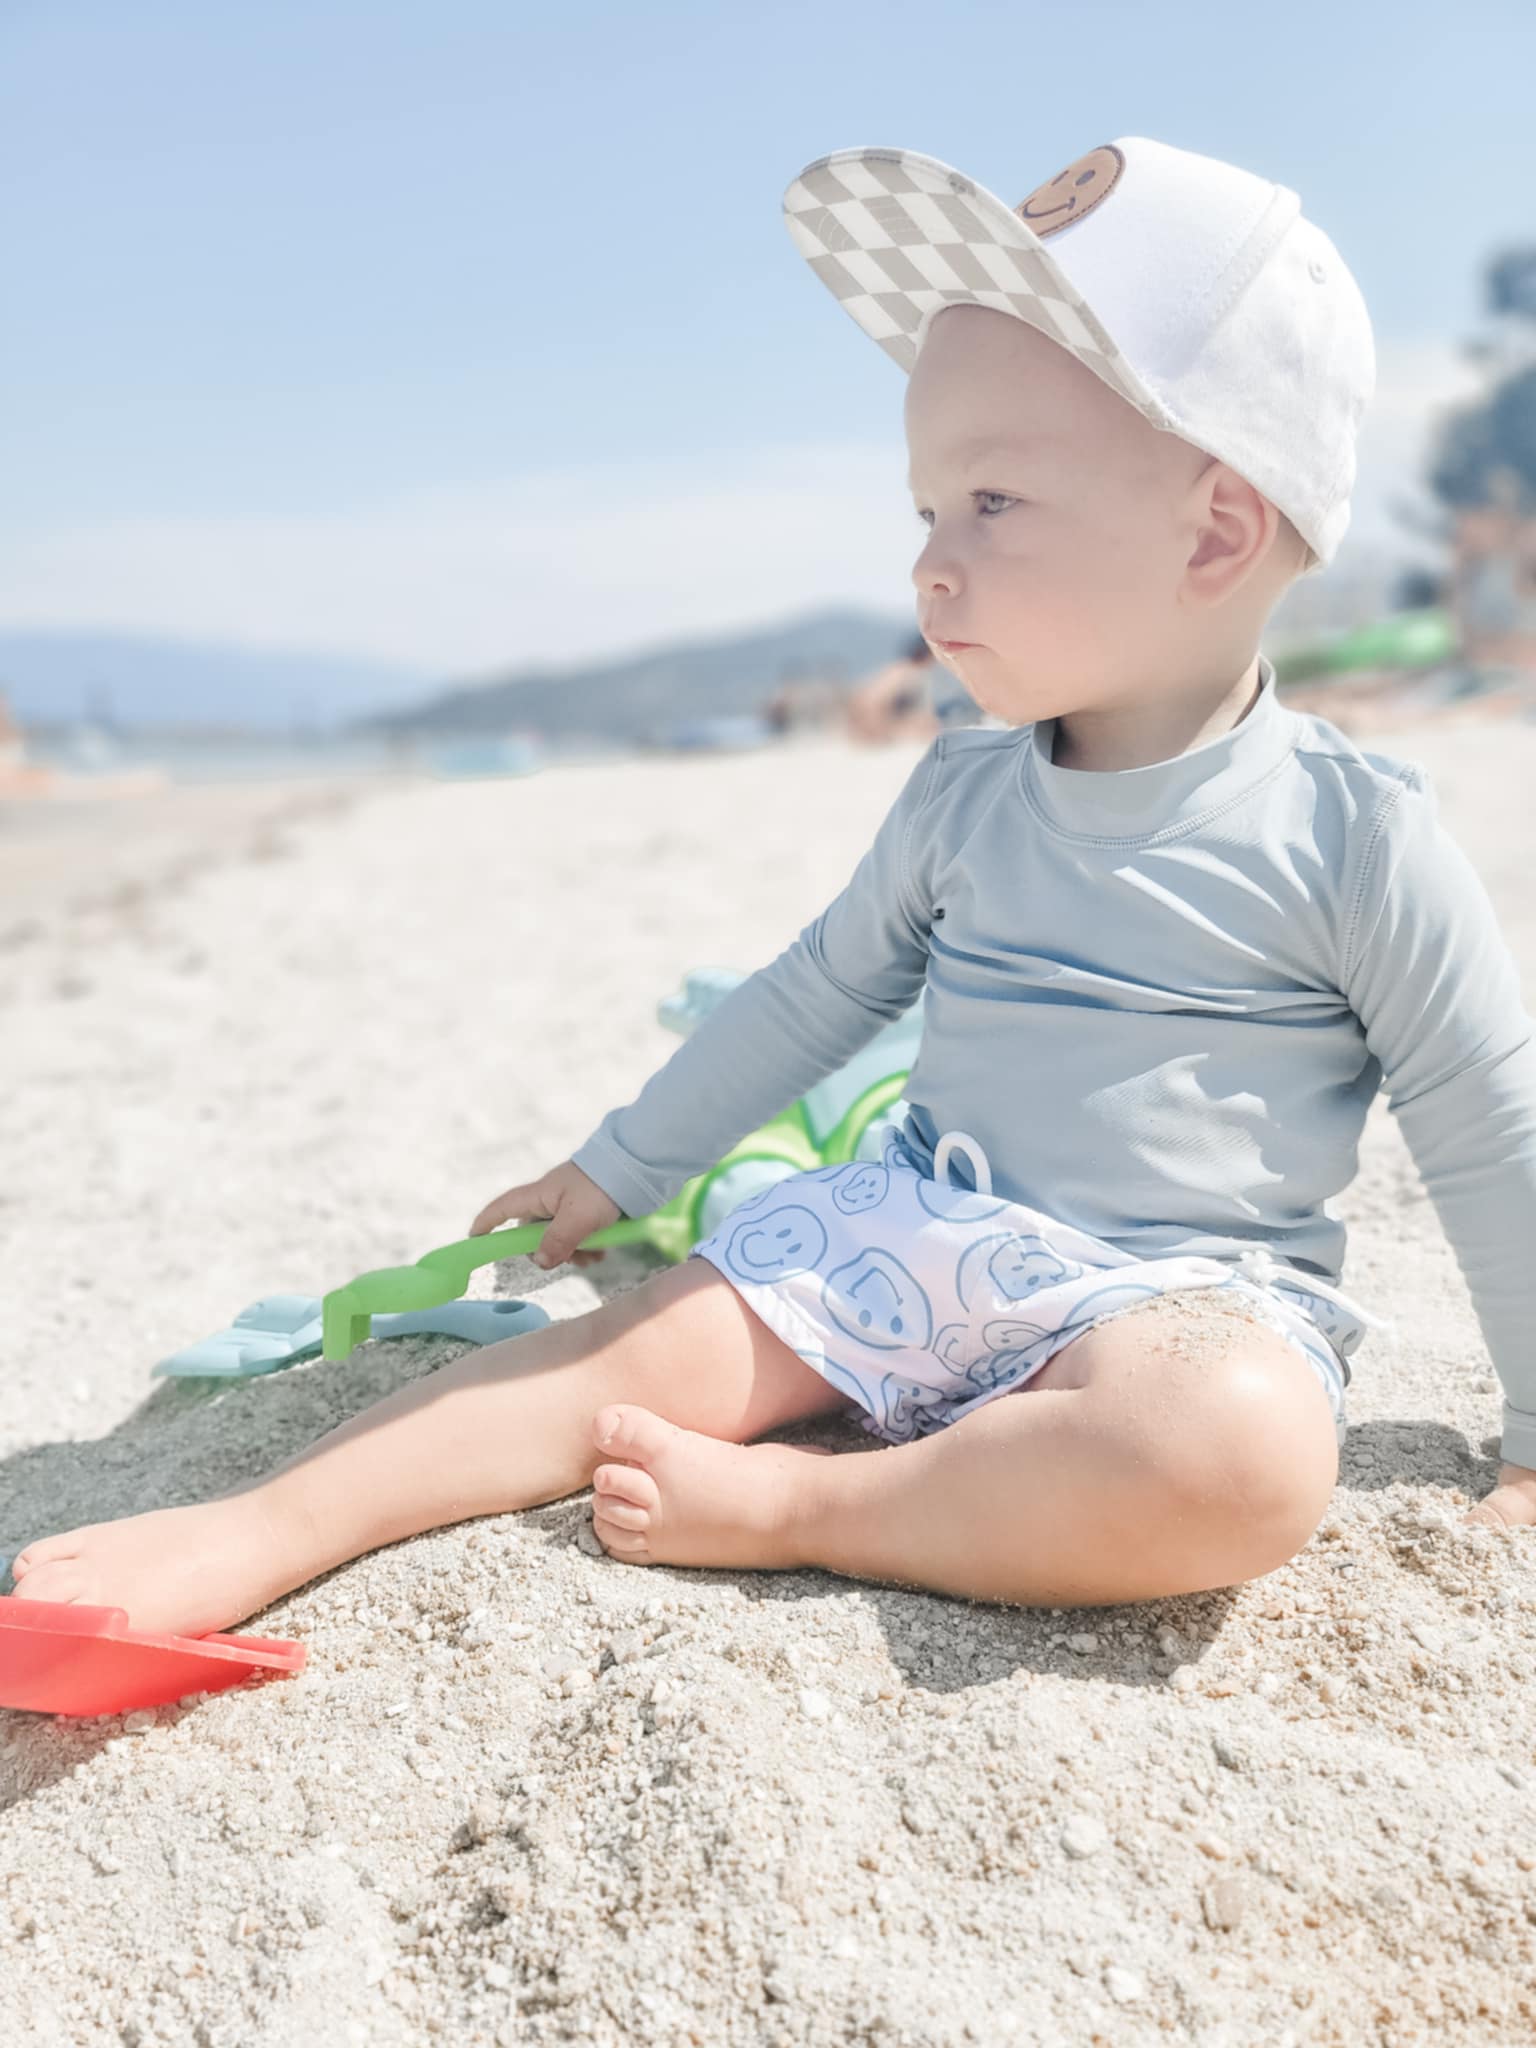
x=1163, y=999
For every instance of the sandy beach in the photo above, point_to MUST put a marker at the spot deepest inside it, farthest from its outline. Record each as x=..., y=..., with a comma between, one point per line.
x=262, y=1041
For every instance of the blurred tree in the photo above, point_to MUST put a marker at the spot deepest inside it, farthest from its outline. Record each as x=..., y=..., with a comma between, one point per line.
x=1512, y=283
x=1498, y=431
x=1483, y=473
x=1416, y=589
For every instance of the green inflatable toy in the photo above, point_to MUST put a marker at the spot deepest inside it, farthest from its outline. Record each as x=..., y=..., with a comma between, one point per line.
x=1407, y=640
x=843, y=1117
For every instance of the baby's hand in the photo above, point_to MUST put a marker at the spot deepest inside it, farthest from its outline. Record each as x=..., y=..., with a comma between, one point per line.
x=1512, y=1503
x=571, y=1199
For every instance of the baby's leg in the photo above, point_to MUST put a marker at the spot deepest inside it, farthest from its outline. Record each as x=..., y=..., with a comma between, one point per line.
x=503, y=1427
x=1148, y=1458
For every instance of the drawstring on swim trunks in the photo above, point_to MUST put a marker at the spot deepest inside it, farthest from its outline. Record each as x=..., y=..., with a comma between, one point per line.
x=962, y=1141
x=1261, y=1267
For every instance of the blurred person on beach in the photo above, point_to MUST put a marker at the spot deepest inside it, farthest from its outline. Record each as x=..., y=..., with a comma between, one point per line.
x=19, y=777
x=1173, y=939
x=911, y=698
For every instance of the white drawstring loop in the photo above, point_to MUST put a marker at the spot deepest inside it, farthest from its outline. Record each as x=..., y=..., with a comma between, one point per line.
x=1261, y=1267
x=962, y=1141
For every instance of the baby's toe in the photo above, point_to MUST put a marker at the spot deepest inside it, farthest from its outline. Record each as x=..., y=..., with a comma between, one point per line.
x=60, y=1580
x=47, y=1551
x=633, y=1434
x=620, y=1514
x=627, y=1484
x=629, y=1548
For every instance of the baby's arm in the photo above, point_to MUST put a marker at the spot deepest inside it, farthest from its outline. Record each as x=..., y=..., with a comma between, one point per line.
x=851, y=971
x=1428, y=972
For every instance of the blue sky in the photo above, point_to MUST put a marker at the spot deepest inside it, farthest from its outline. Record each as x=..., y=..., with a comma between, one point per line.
x=464, y=334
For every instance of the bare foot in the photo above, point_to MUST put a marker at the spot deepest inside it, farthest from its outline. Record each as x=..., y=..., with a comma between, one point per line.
x=672, y=1496
x=186, y=1571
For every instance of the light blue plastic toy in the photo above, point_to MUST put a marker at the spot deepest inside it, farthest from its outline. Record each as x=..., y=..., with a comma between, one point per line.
x=280, y=1329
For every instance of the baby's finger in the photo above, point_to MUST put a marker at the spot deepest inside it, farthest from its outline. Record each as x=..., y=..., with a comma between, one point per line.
x=561, y=1242
x=1505, y=1508
x=515, y=1203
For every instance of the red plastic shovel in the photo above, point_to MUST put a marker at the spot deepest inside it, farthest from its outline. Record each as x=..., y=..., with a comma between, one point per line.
x=60, y=1658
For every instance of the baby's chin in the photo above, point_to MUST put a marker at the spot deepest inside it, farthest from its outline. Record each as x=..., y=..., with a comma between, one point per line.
x=1016, y=697
x=994, y=694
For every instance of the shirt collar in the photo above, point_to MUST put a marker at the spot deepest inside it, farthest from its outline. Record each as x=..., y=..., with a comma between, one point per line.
x=1136, y=803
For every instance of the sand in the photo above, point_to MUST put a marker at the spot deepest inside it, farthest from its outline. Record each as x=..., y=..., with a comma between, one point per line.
x=524, y=1793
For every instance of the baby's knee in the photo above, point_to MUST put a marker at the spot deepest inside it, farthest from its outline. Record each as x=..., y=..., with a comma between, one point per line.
x=1271, y=1430
x=1234, y=1422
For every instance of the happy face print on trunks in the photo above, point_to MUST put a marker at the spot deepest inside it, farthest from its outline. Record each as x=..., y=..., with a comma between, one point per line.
x=951, y=1346
x=998, y=1369
x=776, y=1243
x=876, y=1300
x=1017, y=1265
x=904, y=1408
x=864, y=1187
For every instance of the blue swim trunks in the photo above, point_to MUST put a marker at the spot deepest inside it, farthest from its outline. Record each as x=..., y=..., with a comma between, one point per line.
x=921, y=1300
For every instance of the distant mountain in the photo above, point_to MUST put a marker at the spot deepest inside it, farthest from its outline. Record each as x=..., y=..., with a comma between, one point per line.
x=642, y=695
x=137, y=683
x=134, y=682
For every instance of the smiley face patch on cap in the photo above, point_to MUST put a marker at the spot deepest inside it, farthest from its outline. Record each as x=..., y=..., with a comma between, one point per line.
x=1073, y=193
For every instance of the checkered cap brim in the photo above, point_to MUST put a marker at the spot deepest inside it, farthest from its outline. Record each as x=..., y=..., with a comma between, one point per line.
x=894, y=236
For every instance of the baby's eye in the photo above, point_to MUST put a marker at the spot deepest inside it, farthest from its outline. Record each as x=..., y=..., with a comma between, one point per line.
x=1001, y=496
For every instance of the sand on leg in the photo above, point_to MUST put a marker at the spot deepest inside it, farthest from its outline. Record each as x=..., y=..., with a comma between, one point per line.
x=503, y=1427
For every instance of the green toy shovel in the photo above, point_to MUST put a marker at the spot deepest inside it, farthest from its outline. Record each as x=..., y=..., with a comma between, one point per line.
x=786, y=1144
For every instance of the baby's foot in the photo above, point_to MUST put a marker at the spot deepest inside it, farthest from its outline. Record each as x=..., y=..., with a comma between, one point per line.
x=180, y=1571
x=672, y=1496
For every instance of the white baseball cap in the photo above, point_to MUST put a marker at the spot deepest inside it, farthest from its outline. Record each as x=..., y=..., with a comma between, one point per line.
x=1193, y=289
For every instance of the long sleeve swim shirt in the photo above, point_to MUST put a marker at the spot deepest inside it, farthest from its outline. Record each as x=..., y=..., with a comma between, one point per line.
x=1163, y=999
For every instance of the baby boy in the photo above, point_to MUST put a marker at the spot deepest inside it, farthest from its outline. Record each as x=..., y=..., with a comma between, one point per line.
x=1171, y=939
